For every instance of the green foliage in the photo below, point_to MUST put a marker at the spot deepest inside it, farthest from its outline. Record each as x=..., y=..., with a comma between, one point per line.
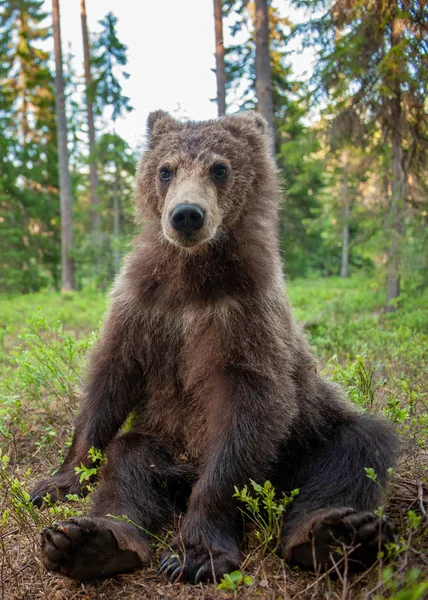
x=266, y=512
x=413, y=586
x=44, y=373
x=81, y=312
x=109, y=56
x=14, y=486
x=302, y=167
x=97, y=460
x=29, y=203
x=232, y=581
x=94, y=259
x=48, y=361
x=358, y=375
x=95, y=252
x=22, y=510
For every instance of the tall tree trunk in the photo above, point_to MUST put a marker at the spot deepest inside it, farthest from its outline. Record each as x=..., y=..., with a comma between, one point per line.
x=23, y=84
x=263, y=65
x=93, y=176
x=116, y=211
x=346, y=214
x=398, y=191
x=67, y=262
x=219, y=58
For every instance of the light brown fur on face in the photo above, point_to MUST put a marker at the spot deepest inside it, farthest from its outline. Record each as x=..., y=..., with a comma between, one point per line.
x=200, y=345
x=192, y=186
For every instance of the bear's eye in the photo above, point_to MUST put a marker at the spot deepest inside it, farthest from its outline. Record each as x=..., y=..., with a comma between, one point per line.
x=220, y=172
x=165, y=174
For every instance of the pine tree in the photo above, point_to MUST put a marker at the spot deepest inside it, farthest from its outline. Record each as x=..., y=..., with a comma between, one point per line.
x=29, y=232
x=109, y=56
x=302, y=172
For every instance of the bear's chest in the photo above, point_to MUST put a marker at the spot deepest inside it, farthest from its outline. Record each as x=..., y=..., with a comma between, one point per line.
x=184, y=351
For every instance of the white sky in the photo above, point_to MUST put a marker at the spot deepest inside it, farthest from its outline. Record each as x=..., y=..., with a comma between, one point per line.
x=170, y=52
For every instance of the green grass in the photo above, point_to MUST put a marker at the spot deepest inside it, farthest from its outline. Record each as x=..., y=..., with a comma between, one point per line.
x=80, y=312
x=345, y=318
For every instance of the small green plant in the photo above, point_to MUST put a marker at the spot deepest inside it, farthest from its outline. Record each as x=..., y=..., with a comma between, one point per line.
x=232, y=581
x=358, y=376
x=47, y=437
x=266, y=512
x=410, y=586
x=371, y=474
x=85, y=473
x=21, y=509
x=21, y=512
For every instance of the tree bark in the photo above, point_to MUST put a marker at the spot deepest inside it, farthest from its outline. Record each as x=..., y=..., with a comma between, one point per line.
x=67, y=262
x=116, y=211
x=93, y=176
x=23, y=84
x=264, y=88
x=346, y=213
x=219, y=58
x=396, y=211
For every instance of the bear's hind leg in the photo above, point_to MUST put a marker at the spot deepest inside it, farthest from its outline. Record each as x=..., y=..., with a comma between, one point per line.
x=334, y=508
x=134, y=499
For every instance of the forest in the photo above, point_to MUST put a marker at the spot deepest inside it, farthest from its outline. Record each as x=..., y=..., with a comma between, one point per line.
x=350, y=140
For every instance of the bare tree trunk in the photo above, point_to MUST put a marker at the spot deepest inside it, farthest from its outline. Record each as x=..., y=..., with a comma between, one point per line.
x=263, y=65
x=346, y=214
x=67, y=263
x=23, y=86
x=396, y=216
x=93, y=176
x=116, y=211
x=219, y=58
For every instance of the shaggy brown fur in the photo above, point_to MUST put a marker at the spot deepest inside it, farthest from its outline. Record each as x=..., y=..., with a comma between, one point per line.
x=200, y=345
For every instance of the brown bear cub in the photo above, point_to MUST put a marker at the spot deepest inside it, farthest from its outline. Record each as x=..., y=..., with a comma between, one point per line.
x=200, y=345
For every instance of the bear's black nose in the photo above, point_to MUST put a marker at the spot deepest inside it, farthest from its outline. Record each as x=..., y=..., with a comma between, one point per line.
x=187, y=218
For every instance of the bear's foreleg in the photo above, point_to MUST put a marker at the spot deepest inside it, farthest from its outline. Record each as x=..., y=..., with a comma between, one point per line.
x=243, y=437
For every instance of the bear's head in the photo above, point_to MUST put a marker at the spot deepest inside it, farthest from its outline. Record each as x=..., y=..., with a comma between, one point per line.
x=196, y=179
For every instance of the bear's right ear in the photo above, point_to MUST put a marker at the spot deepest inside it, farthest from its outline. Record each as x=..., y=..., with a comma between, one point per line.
x=159, y=122
x=248, y=123
x=252, y=119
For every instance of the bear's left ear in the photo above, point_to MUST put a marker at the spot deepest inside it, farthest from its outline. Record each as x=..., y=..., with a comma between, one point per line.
x=249, y=119
x=159, y=122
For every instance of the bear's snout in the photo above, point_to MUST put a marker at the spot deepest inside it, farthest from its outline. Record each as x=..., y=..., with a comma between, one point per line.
x=187, y=218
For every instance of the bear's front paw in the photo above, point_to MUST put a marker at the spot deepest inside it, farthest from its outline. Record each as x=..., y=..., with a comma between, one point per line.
x=57, y=486
x=194, y=566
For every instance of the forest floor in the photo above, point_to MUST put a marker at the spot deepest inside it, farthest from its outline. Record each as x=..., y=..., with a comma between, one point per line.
x=381, y=359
